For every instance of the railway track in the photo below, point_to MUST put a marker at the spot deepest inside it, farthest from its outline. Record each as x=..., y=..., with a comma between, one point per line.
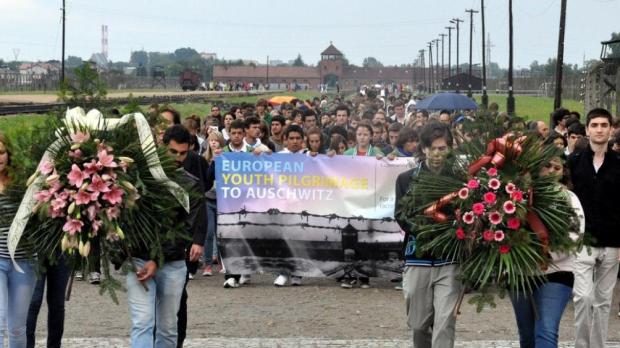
x=33, y=108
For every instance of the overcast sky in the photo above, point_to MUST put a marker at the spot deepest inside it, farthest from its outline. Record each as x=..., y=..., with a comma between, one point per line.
x=392, y=31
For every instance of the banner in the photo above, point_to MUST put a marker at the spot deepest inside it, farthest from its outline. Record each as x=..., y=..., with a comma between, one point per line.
x=309, y=216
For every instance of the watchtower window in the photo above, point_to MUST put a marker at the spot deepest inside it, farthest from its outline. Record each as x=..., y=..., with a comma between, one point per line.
x=610, y=50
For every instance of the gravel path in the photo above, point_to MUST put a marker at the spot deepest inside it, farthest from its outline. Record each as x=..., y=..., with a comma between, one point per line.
x=259, y=315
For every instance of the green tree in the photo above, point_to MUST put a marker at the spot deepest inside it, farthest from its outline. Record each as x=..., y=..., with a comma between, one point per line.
x=158, y=58
x=139, y=57
x=73, y=62
x=174, y=69
x=186, y=54
x=371, y=62
x=87, y=89
x=298, y=61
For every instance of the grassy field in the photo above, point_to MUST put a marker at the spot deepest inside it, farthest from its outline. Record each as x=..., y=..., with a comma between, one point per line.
x=10, y=125
x=530, y=107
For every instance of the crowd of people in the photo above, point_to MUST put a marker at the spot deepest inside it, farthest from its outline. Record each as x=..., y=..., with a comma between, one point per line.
x=364, y=125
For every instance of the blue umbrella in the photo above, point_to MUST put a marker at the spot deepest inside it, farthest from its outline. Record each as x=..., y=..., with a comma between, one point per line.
x=447, y=101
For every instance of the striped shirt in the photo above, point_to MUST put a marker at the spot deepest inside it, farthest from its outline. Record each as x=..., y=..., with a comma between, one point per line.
x=7, y=212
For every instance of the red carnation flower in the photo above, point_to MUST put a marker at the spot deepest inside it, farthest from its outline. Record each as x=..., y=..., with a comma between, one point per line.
x=514, y=223
x=473, y=184
x=488, y=235
x=489, y=198
x=460, y=234
x=517, y=196
x=468, y=218
x=504, y=249
x=478, y=208
x=492, y=171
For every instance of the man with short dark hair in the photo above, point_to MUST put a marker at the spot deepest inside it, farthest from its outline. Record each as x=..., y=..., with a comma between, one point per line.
x=252, y=135
x=342, y=116
x=559, y=118
x=308, y=119
x=378, y=130
x=399, y=113
x=216, y=114
x=575, y=132
x=430, y=285
x=594, y=171
x=444, y=117
x=407, y=143
x=158, y=307
x=393, y=132
x=277, y=128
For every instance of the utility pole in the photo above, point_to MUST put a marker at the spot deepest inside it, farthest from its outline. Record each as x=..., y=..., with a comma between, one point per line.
x=62, y=60
x=430, y=66
x=423, y=65
x=450, y=50
x=485, y=97
x=471, y=42
x=458, y=69
x=443, y=67
x=437, y=81
x=510, y=102
x=557, y=102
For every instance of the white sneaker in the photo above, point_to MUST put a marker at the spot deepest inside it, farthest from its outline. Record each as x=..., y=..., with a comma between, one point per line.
x=349, y=283
x=244, y=279
x=231, y=283
x=78, y=275
x=281, y=280
x=190, y=276
x=296, y=281
x=94, y=277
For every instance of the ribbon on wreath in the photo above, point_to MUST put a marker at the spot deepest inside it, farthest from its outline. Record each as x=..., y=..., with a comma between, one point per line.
x=536, y=223
x=75, y=120
x=433, y=211
x=496, y=153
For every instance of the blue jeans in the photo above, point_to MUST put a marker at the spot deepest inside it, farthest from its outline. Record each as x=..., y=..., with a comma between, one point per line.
x=57, y=277
x=550, y=300
x=157, y=307
x=211, y=240
x=15, y=294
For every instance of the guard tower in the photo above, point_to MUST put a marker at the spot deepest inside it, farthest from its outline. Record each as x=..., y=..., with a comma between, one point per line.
x=331, y=65
x=158, y=76
x=602, y=82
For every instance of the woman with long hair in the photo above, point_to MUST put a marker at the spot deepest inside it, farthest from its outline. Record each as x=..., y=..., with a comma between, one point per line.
x=215, y=144
x=315, y=143
x=538, y=313
x=229, y=117
x=16, y=287
x=363, y=136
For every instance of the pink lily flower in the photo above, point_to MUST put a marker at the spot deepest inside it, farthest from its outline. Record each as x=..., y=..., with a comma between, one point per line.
x=73, y=226
x=43, y=196
x=76, y=176
x=106, y=160
x=98, y=185
x=80, y=137
x=113, y=213
x=92, y=167
x=82, y=198
x=115, y=196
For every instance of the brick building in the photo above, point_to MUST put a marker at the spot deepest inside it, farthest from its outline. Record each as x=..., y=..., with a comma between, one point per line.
x=331, y=70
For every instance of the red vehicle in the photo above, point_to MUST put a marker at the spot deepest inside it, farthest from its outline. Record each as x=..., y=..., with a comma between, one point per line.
x=191, y=81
